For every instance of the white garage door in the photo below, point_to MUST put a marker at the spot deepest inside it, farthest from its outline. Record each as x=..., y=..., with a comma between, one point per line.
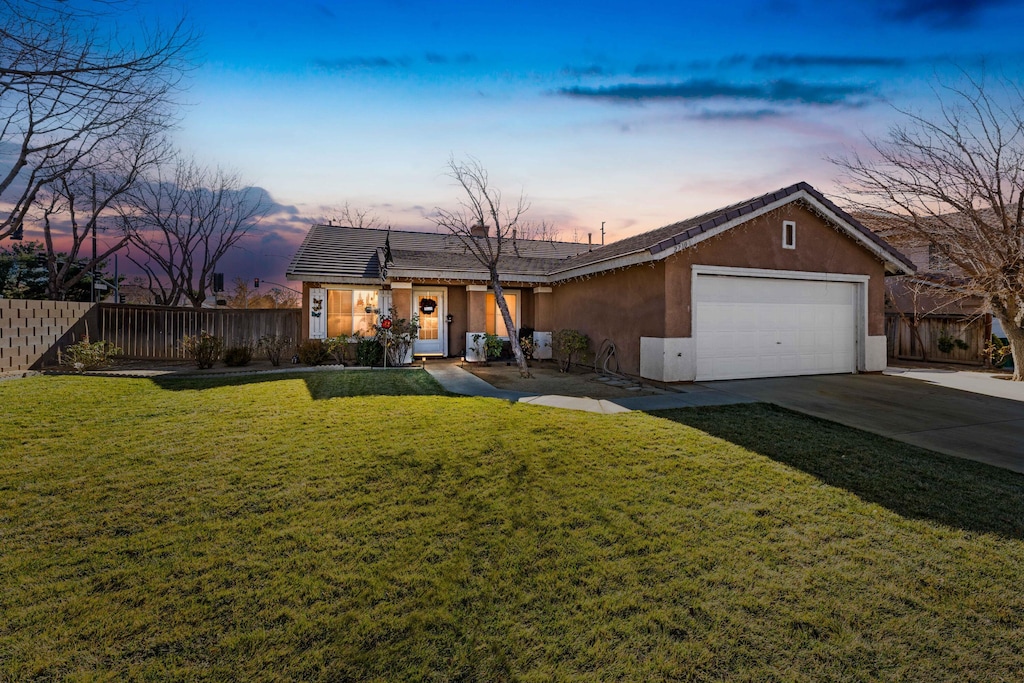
x=764, y=327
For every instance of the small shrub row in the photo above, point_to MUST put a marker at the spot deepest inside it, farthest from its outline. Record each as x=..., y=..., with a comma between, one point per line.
x=87, y=355
x=205, y=349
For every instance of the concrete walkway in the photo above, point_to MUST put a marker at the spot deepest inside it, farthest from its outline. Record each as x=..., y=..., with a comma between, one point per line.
x=989, y=384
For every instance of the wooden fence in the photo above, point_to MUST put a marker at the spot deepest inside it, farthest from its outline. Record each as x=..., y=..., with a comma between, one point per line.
x=155, y=332
x=973, y=331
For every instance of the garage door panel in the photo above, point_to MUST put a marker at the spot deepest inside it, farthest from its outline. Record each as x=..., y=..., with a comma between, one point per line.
x=763, y=327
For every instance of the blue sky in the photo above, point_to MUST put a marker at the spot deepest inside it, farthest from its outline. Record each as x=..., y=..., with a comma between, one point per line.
x=637, y=114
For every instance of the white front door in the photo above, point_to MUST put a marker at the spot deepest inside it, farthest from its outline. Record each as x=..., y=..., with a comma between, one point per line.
x=771, y=327
x=430, y=307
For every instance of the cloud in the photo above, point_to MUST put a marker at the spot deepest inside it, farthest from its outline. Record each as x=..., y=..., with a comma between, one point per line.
x=589, y=70
x=324, y=10
x=770, y=62
x=948, y=14
x=352, y=63
x=737, y=114
x=783, y=91
x=438, y=58
x=765, y=62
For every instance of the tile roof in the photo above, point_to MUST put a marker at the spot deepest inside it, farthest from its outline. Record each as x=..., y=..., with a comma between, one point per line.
x=660, y=239
x=333, y=253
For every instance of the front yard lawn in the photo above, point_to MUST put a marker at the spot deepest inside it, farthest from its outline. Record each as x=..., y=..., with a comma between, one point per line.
x=283, y=528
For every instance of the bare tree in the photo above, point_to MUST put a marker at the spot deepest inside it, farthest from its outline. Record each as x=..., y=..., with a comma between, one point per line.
x=488, y=229
x=66, y=88
x=183, y=221
x=956, y=181
x=354, y=217
x=89, y=199
x=543, y=231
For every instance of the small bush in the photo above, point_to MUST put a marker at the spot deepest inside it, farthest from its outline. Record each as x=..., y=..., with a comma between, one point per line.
x=526, y=342
x=204, y=349
x=86, y=355
x=569, y=346
x=399, y=339
x=369, y=352
x=491, y=346
x=997, y=352
x=274, y=346
x=238, y=355
x=945, y=342
x=313, y=352
x=338, y=347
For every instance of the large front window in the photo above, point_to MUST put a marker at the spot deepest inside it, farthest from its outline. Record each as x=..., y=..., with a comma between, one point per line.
x=351, y=311
x=495, y=323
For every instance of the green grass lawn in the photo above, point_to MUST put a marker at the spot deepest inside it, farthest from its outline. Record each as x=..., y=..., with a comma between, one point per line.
x=307, y=527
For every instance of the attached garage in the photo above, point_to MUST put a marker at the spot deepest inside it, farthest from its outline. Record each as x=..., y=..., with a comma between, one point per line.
x=773, y=324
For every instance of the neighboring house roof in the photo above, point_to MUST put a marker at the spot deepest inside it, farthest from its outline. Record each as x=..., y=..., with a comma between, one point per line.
x=334, y=254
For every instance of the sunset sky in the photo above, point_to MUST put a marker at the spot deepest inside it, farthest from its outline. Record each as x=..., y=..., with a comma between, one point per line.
x=637, y=114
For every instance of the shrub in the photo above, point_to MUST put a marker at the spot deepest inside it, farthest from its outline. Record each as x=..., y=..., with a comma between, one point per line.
x=526, y=342
x=313, y=352
x=945, y=342
x=369, y=352
x=86, y=355
x=274, y=346
x=403, y=333
x=338, y=347
x=490, y=345
x=204, y=349
x=997, y=351
x=239, y=354
x=569, y=346
x=961, y=344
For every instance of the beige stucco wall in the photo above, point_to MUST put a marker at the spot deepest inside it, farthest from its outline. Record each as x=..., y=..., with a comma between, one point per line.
x=30, y=329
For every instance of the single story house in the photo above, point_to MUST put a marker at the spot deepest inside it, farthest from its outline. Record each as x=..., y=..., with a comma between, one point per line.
x=782, y=284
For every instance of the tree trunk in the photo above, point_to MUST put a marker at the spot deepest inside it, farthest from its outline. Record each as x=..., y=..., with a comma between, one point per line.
x=513, y=331
x=1015, y=335
x=916, y=331
x=1006, y=312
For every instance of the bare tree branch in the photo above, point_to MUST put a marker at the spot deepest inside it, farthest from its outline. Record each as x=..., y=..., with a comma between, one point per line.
x=184, y=220
x=487, y=228
x=354, y=217
x=956, y=181
x=66, y=89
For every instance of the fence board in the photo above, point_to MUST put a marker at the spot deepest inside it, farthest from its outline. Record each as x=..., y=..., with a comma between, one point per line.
x=903, y=345
x=155, y=332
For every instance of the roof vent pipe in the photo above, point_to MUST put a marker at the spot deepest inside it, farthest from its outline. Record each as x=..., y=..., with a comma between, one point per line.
x=590, y=241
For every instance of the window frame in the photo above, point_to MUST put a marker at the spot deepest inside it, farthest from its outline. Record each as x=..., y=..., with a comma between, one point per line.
x=497, y=313
x=789, y=234
x=362, y=314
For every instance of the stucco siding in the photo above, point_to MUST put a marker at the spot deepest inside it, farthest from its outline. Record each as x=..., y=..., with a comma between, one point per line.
x=622, y=306
x=758, y=244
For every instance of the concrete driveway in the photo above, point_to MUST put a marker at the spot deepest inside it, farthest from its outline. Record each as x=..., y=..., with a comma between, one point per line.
x=910, y=407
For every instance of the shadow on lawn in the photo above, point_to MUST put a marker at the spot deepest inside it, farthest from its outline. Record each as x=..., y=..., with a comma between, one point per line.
x=321, y=385
x=911, y=481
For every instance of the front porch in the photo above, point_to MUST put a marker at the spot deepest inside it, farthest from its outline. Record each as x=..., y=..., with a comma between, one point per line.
x=453, y=316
